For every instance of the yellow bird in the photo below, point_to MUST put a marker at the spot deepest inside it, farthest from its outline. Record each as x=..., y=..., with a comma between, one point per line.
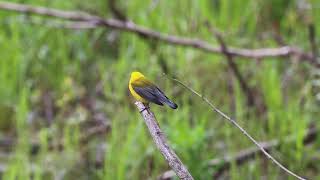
x=145, y=91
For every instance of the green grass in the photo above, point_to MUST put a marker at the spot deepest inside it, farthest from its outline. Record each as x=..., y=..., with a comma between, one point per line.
x=85, y=73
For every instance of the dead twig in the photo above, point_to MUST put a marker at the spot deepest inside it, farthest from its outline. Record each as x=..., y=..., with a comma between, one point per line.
x=233, y=122
x=250, y=153
x=116, y=11
x=149, y=33
x=312, y=40
x=233, y=66
x=223, y=164
x=8, y=143
x=161, y=142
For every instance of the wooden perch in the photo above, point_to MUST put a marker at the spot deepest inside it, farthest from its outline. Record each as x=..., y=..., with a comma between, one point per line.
x=161, y=142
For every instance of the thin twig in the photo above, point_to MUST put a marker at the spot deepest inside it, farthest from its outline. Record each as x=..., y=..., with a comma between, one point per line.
x=48, y=106
x=161, y=142
x=149, y=33
x=240, y=128
x=243, y=156
x=248, y=154
x=116, y=11
x=8, y=143
x=312, y=39
x=233, y=66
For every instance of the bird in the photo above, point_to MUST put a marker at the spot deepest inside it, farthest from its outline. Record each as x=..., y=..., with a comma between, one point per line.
x=145, y=91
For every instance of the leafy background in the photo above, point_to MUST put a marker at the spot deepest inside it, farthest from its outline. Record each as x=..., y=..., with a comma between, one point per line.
x=65, y=111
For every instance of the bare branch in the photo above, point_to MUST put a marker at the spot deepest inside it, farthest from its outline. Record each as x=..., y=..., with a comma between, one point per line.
x=248, y=154
x=161, y=143
x=70, y=15
x=233, y=66
x=245, y=155
x=149, y=33
x=312, y=39
x=233, y=122
x=8, y=143
x=116, y=11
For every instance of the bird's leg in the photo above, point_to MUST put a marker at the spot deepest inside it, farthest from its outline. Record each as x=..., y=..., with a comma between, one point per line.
x=146, y=107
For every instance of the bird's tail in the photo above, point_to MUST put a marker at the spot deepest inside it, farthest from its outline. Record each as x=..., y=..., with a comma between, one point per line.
x=171, y=104
x=164, y=99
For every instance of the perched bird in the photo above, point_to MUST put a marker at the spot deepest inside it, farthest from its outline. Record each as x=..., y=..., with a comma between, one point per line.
x=145, y=91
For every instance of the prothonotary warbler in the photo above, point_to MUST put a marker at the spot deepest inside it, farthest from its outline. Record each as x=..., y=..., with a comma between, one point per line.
x=145, y=91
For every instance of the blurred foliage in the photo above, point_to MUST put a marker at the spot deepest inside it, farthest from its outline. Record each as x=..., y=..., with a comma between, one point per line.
x=57, y=84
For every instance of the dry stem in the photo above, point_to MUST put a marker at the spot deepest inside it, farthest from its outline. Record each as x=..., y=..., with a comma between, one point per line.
x=161, y=143
x=233, y=122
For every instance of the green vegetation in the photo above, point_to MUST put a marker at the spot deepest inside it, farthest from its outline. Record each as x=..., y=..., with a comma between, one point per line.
x=58, y=84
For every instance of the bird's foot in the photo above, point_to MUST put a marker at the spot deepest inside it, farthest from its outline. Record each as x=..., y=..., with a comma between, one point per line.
x=146, y=108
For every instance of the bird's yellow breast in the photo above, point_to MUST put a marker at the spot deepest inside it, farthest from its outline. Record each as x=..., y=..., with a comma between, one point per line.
x=136, y=95
x=135, y=76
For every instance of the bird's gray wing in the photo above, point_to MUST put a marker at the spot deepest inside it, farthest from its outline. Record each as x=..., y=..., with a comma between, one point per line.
x=150, y=93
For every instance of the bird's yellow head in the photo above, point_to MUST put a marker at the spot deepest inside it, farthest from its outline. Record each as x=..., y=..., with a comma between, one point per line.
x=136, y=75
